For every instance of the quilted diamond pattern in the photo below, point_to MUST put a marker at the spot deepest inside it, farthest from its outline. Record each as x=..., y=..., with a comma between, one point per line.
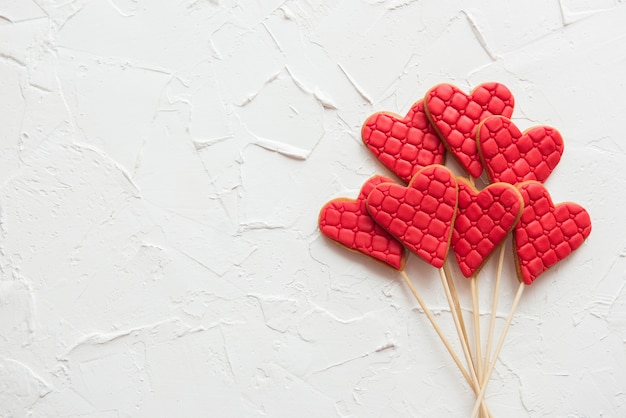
x=420, y=215
x=512, y=156
x=546, y=233
x=456, y=116
x=404, y=145
x=483, y=220
x=348, y=223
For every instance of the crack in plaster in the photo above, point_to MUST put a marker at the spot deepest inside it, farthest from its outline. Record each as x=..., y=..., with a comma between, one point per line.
x=479, y=36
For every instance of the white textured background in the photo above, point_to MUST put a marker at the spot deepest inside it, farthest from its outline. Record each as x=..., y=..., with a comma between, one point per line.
x=162, y=165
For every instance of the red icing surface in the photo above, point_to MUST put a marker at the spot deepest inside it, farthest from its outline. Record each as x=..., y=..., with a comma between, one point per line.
x=483, y=220
x=348, y=222
x=456, y=116
x=404, y=145
x=512, y=156
x=420, y=215
x=546, y=233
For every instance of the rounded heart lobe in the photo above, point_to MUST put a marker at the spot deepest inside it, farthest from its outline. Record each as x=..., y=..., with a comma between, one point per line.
x=456, y=117
x=420, y=215
x=348, y=223
x=404, y=145
x=546, y=233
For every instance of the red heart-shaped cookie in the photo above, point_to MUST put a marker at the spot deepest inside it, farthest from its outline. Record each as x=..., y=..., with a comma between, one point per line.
x=420, y=215
x=512, y=156
x=546, y=233
x=404, y=145
x=483, y=220
x=456, y=116
x=348, y=223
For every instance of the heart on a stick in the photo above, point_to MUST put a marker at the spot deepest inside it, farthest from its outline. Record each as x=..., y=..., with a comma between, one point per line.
x=482, y=222
x=404, y=145
x=546, y=233
x=348, y=223
x=512, y=156
x=456, y=115
x=420, y=215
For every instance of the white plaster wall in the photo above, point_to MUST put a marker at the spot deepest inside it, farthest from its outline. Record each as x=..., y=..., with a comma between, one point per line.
x=162, y=164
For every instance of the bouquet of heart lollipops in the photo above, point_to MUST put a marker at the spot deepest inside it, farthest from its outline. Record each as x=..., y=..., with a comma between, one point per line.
x=435, y=211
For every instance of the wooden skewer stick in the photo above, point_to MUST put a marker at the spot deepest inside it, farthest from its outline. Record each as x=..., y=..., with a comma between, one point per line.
x=468, y=356
x=444, y=340
x=433, y=322
x=476, y=305
x=457, y=305
x=492, y=364
x=457, y=324
x=494, y=308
